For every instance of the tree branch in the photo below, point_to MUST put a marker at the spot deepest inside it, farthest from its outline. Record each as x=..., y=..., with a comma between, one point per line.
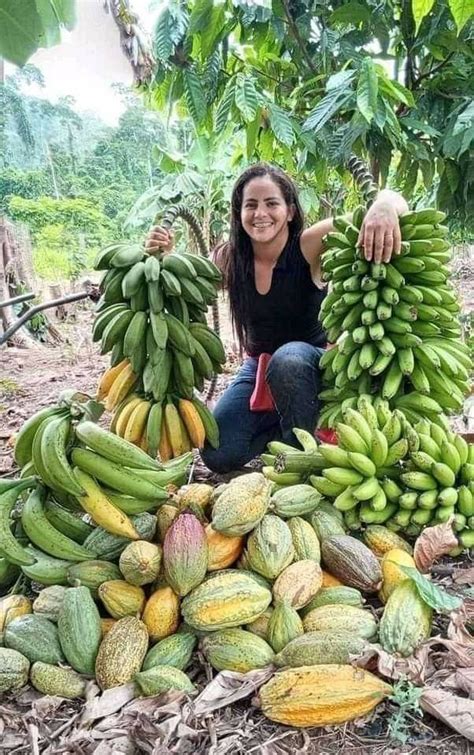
x=432, y=70
x=297, y=36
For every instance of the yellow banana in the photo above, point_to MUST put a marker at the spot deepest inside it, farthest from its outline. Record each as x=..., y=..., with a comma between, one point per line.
x=192, y=422
x=164, y=448
x=121, y=386
x=174, y=429
x=123, y=415
x=108, y=378
x=137, y=422
x=101, y=510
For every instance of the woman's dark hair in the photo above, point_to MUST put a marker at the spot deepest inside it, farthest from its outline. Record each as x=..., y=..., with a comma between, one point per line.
x=237, y=254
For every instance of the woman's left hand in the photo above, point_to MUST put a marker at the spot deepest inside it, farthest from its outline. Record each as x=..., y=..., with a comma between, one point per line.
x=380, y=235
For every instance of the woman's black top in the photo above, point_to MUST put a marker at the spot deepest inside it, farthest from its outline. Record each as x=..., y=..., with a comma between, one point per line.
x=289, y=311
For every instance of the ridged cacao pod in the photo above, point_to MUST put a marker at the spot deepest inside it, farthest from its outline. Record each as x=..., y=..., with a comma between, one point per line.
x=284, y=625
x=161, y=613
x=165, y=517
x=380, y=540
x=305, y=540
x=140, y=562
x=160, y=679
x=175, y=650
x=241, y=506
x=270, y=547
x=121, y=599
x=12, y=607
x=392, y=575
x=321, y=695
x=228, y=599
x=260, y=625
x=223, y=550
x=315, y=648
x=294, y=500
x=185, y=554
x=121, y=653
x=49, y=602
x=14, y=669
x=236, y=650
x=353, y=562
x=406, y=620
x=341, y=594
x=298, y=583
x=344, y=618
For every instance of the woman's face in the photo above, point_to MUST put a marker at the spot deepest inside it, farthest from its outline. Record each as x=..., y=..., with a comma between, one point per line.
x=264, y=214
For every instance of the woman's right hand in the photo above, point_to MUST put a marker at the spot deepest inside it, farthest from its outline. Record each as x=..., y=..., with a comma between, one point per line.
x=159, y=239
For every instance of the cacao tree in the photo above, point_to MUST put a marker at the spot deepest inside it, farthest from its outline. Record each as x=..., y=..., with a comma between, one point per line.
x=309, y=82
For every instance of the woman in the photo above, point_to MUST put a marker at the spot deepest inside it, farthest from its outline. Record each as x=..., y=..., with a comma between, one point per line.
x=271, y=268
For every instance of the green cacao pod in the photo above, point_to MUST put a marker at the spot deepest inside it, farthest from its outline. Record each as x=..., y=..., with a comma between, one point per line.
x=406, y=620
x=270, y=547
x=34, y=637
x=236, y=650
x=79, y=629
x=284, y=625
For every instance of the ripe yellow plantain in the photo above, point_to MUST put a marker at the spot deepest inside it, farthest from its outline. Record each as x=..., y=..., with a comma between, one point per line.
x=101, y=509
x=121, y=387
x=192, y=422
x=165, y=451
x=108, y=378
x=123, y=415
x=136, y=424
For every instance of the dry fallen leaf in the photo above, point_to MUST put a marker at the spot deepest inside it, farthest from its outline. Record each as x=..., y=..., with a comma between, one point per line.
x=457, y=626
x=109, y=702
x=456, y=712
x=227, y=687
x=464, y=576
x=462, y=679
x=416, y=667
x=433, y=543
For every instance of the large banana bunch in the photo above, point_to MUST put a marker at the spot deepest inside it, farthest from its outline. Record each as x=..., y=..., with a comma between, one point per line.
x=395, y=325
x=75, y=468
x=152, y=318
x=385, y=470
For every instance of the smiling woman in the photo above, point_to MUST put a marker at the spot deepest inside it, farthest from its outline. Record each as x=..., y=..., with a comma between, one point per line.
x=271, y=266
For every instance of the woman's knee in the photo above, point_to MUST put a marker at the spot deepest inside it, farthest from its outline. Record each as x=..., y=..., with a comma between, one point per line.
x=221, y=460
x=290, y=359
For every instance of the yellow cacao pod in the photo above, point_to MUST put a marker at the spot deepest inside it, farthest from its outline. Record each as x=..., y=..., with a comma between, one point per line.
x=161, y=613
x=392, y=575
x=298, y=583
x=140, y=562
x=223, y=550
x=321, y=695
x=121, y=599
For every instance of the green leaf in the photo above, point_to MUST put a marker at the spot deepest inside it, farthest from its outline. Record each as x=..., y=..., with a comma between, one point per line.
x=281, y=125
x=367, y=89
x=420, y=9
x=211, y=34
x=251, y=134
x=26, y=26
x=246, y=98
x=325, y=109
x=435, y=596
x=462, y=11
x=351, y=13
x=225, y=106
x=397, y=91
x=194, y=95
x=200, y=15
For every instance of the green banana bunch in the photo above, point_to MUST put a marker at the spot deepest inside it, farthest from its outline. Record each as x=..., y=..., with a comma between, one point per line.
x=395, y=325
x=152, y=318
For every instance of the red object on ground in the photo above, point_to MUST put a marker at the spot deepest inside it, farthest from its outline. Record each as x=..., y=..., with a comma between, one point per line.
x=327, y=436
x=261, y=399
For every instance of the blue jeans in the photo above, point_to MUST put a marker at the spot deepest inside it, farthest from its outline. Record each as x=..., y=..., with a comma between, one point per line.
x=294, y=380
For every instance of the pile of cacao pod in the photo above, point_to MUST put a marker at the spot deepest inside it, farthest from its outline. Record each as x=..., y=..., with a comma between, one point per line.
x=152, y=318
x=395, y=325
x=251, y=573
x=385, y=470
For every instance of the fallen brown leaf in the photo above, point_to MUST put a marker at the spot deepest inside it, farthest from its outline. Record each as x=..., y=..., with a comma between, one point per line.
x=457, y=626
x=416, y=668
x=464, y=576
x=109, y=702
x=456, y=712
x=227, y=687
x=432, y=543
x=462, y=679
